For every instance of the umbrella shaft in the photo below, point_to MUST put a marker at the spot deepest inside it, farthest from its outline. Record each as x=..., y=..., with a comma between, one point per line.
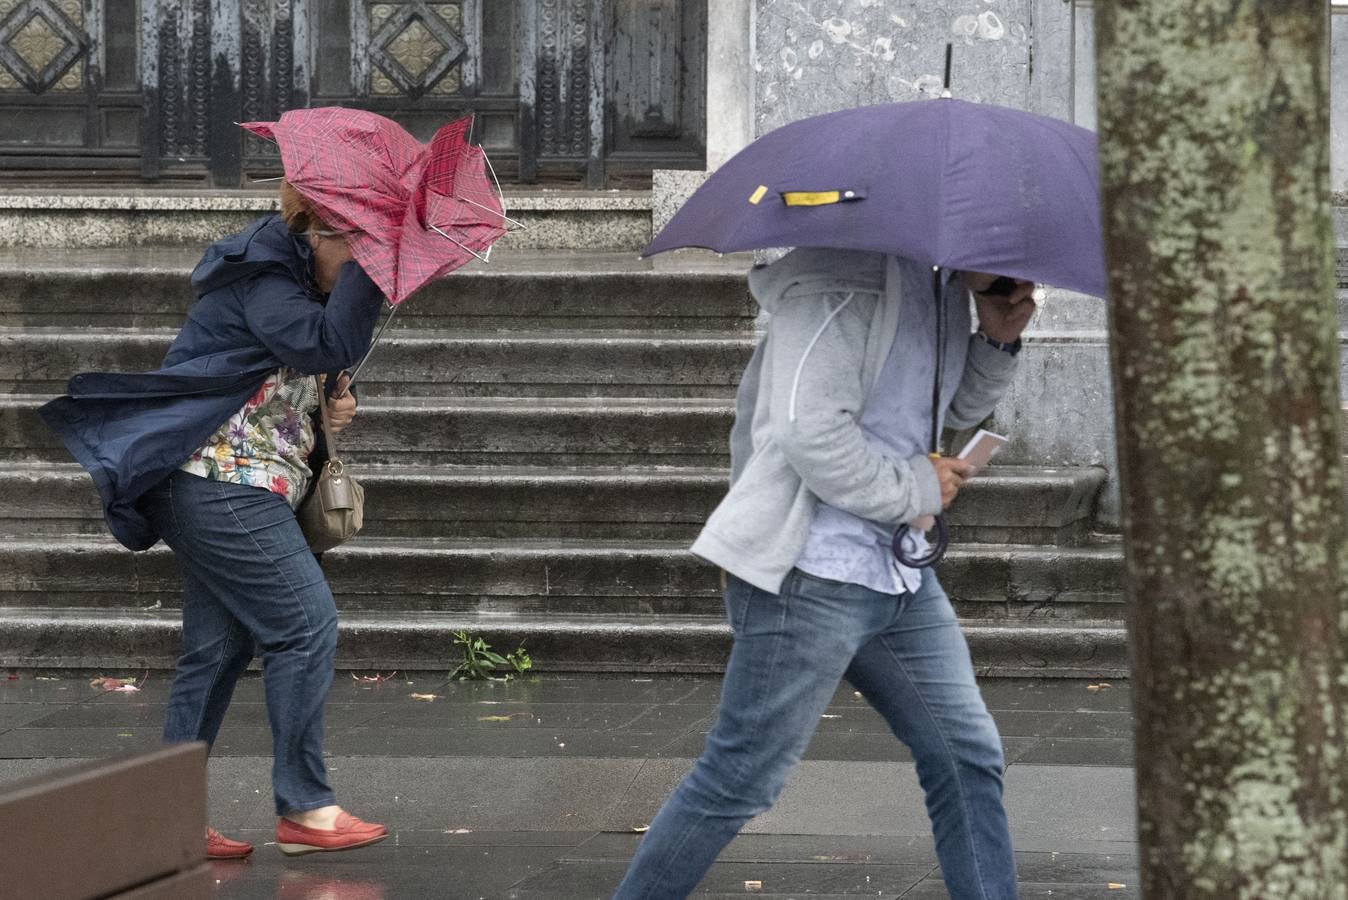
x=393, y=311
x=936, y=292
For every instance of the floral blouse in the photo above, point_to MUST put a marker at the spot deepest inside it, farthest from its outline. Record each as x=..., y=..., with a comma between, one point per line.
x=266, y=443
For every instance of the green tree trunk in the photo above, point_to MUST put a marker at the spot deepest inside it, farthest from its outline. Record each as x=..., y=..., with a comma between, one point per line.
x=1215, y=175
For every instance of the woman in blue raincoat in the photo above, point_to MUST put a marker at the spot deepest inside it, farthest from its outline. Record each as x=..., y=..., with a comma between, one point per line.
x=212, y=454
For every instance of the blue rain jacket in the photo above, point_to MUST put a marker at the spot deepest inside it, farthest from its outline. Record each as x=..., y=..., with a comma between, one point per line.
x=257, y=310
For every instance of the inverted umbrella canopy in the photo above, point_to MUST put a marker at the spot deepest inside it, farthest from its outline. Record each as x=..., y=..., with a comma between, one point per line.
x=414, y=211
x=956, y=184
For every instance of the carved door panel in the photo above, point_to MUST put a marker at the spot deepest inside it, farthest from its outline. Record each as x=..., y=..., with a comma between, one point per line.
x=618, y=87
x=423, y=62
x=655, y=96
x=69, y=89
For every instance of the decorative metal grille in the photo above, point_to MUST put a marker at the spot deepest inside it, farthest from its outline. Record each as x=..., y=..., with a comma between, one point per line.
x=267, y=67
x=563, y=77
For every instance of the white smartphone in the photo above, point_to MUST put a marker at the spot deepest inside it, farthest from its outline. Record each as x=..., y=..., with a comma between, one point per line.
x=982, y=447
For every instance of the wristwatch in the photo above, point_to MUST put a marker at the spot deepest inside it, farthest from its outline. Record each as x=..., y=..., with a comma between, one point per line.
x=1013, y=347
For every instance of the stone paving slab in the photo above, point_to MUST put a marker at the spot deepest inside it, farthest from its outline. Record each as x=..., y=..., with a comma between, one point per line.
x=535, y=788
x=506, y=868
x=548, y=718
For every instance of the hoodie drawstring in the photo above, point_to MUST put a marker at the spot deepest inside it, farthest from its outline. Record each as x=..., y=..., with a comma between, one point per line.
x=800, y=367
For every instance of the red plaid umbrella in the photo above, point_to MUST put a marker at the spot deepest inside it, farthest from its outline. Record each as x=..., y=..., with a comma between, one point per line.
x=415, y=211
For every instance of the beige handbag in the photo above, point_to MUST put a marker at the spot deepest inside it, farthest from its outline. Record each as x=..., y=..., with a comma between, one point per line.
x=334, y=511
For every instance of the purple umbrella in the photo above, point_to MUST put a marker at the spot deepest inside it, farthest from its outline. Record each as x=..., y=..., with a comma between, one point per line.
x=946, y=182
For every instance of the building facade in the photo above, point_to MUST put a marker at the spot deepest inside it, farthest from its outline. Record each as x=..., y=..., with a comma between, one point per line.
x=581, y=93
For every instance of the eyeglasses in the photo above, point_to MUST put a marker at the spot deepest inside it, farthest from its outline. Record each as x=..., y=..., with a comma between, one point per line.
x=325, y=232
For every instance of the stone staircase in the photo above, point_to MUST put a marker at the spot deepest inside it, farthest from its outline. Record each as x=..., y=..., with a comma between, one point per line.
x=540, y=439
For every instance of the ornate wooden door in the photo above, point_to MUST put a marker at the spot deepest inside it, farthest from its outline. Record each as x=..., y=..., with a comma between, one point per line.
x=153, y=89
x=70, y=97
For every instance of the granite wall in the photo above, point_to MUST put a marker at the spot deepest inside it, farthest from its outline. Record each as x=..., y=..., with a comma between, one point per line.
x=817, y=55
x=1338, y=100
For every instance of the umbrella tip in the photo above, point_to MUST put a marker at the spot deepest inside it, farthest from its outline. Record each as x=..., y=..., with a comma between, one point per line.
x=949, y=56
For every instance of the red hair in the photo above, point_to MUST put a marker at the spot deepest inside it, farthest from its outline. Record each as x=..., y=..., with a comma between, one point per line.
x=297, y=212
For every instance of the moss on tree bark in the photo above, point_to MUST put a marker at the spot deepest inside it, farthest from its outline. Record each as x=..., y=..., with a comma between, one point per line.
x=1215, y=176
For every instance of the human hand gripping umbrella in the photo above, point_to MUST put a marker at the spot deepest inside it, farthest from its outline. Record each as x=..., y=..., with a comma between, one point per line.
x=952, y=184
x=411, y=212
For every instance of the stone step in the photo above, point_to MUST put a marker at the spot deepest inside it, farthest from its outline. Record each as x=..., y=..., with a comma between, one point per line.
x=416, y=363
x=438, y=502
x=382, y=640
x=79, y=218
x=480, y=431
x=523, y=576
x=1005, y=504
x=1027, y=505
x=488, y=432
x=540, y=291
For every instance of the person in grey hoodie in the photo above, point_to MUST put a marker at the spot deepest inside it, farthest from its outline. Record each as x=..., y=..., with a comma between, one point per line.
x=831, y=453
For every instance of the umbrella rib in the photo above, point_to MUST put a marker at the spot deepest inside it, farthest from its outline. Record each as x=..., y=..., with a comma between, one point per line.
x=516, y=222
x=941, y=183
x=487, y=258
x=499, y=193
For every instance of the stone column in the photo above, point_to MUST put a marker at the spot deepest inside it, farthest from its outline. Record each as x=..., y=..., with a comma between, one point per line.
x=730, y=76
x=730, y=79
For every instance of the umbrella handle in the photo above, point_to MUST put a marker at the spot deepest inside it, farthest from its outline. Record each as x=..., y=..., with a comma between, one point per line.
x=393, y=311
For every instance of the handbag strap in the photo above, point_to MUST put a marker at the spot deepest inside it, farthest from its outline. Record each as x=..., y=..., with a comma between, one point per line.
x=328, y=438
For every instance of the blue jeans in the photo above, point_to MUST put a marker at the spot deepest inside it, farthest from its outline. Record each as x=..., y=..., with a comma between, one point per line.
x=249, y=580
x=908, y=658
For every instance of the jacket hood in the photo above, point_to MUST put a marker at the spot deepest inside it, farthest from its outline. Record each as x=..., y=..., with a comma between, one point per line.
x=815, y=269
x=267, y=243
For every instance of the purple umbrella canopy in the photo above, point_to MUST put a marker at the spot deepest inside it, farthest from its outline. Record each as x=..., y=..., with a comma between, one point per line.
x=946, y=182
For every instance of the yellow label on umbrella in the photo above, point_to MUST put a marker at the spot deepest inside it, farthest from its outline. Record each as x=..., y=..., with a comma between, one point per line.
x=758, y=194
x=811, y=198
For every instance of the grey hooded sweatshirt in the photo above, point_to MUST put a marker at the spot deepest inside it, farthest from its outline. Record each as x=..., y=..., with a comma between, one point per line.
x=797, y=437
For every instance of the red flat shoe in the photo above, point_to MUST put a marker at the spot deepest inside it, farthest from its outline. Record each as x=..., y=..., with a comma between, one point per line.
x=295, y=840
x=220, y=847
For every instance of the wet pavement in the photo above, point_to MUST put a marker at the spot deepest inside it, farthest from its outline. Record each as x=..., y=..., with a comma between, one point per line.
x=536, y=788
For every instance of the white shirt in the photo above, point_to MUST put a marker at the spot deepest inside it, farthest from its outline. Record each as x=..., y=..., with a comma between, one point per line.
x=896, y=419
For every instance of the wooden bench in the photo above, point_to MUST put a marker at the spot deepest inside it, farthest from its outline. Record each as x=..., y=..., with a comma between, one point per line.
x=126, y=828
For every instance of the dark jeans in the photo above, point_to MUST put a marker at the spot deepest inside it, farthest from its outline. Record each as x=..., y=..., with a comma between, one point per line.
x=908, y=658
x=249, y=580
